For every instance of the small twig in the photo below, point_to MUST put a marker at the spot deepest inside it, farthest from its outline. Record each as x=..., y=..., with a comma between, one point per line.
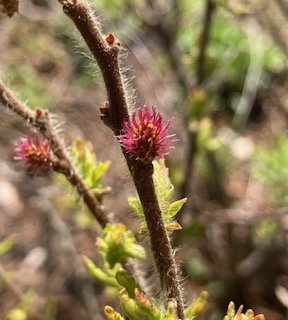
x=283, y=6
x=166, y=32
x=273, y=19
x=200, y=77
x=217, y=185
x=204, y=41
x=115, y=114
x=189, y=161
x=40, y=119
x=253, y=77
x=12, y=288
x=91, y=202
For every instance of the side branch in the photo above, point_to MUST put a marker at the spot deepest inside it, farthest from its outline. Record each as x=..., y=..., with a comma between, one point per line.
x=61, y=163
x=204, y=41
x=200, y=77
x=40, y=120
x=91, y=202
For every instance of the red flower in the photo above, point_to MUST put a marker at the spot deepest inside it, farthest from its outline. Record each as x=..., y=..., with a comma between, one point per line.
x=34, y=152
x=146, y=137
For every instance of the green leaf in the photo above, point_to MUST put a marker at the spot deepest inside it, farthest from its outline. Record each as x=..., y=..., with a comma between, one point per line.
x=142, y=230
x=7, y=244
x=111, y=314
x=126, y=280
x=164, y=191
x=249, y=315
x=98, y=173
x=136, y=251
x=173, y=209
x=230, y=311
x=195, y=310
x=119, y=244
x=92, y=170
x=100, y=192
x=205, y=134
x=163, y=185
x=172, y=226
x=99, y=274
x=136, y=205
x=140, y=308
x=17, y=314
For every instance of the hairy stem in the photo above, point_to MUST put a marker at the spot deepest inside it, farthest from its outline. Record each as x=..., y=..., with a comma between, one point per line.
x=88, y=198
x=62, y=164
x=160, y=242
x=105, y=51
x=40, y=119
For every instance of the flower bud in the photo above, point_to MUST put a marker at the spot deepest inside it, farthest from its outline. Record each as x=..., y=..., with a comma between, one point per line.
x=145, y=138
x=34, y=152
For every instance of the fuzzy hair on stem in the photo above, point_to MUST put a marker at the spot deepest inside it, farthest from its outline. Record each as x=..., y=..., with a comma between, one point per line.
x=41, y=120
x=115, y=114
x=61, y=163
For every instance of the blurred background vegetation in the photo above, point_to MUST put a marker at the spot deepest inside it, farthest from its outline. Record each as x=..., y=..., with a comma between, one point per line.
x=218, y=69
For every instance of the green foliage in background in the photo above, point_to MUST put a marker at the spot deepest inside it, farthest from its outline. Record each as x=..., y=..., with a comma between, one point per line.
x=206, y=140
x=229, y=54
x=29, y=85
x=89, y=167
x=21, y=312
x=271, y=168
x=85, y=74
x=93, y=172
x=265, y=231
x=196, y=266
x=7, y=244
x=35, y=65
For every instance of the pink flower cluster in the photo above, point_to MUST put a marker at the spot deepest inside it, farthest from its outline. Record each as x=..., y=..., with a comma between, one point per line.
x=145, y=138
x=34, y=152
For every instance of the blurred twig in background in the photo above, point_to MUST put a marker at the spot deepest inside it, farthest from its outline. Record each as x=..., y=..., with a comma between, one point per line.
x=192, y=130
x=78, y=274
